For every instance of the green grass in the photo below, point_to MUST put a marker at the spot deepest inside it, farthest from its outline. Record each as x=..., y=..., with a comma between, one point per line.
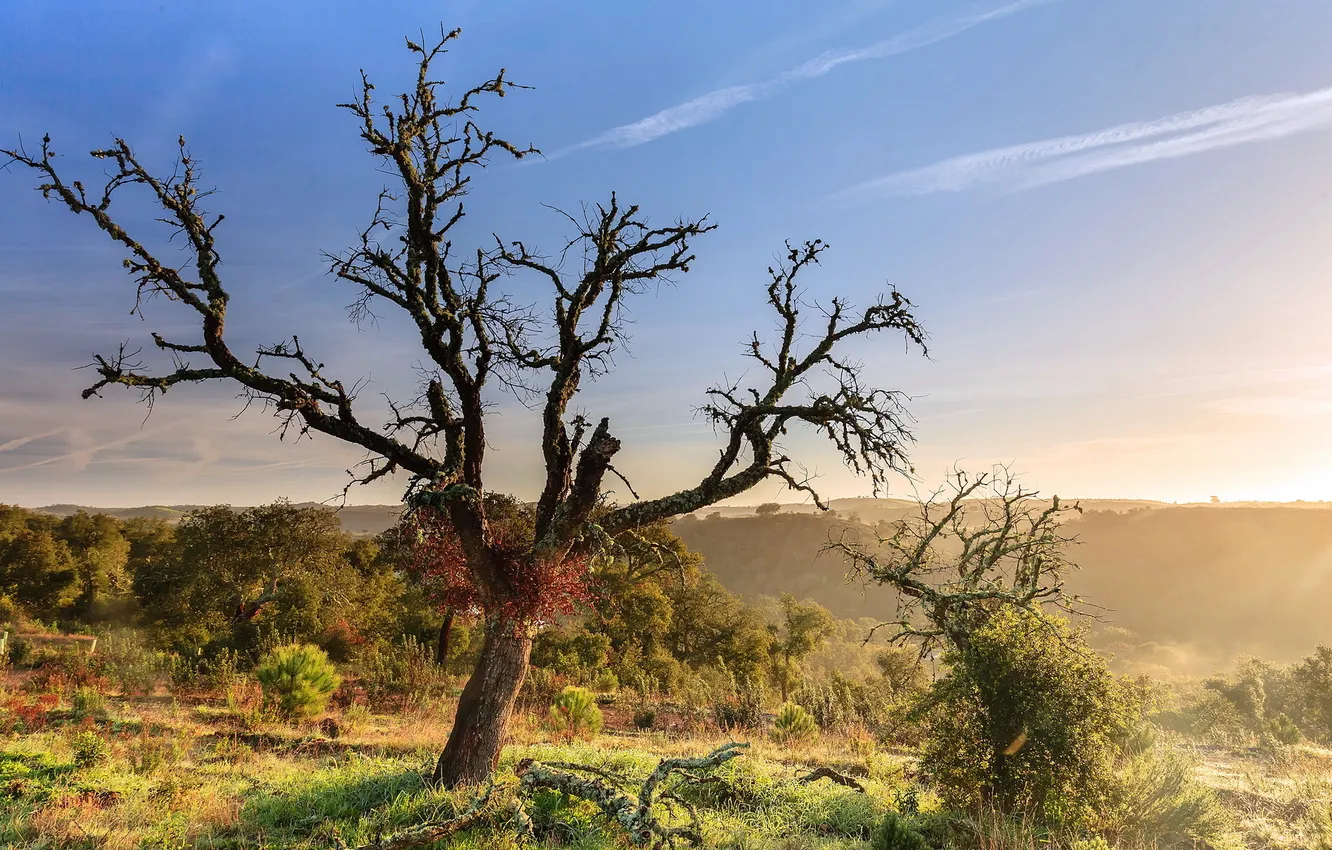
x=180, y=776
x=220, y=795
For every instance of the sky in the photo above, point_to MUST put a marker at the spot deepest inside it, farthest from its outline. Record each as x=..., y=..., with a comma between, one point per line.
x=1113, y=217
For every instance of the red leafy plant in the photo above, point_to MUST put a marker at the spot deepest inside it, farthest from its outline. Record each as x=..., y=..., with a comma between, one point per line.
x=524, y=586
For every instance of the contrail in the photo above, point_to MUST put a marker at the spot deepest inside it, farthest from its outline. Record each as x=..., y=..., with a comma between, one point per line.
x=714, y=104
x=23, y=441
x=1248, y=119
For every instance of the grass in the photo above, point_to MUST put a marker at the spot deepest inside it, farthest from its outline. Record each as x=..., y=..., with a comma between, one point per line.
x=1282, y=799
x=192, y=776
x=181, y=775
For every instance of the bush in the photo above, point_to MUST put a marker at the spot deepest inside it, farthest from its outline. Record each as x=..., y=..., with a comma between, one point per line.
x=1026, y=720
x=148, y=754
x=135, y=669
x=793, y=725
x=645, y=718
x=341, y=640
x=88, y=702
x=27, y=714
x=64, y=670
x=222, y=671
x=1312, y=681
x=845, y=705
x=1210, y=716
x=743, y=709
x=1155, y=800
x=404, y=677
x=606, y=681
x=297, y=679
x=1283, y=730
x=355, y=717
x=18, y=650
x=540, y=687
x=574, y=653
x=895, y=833
x=89, y=749
x=574, y=714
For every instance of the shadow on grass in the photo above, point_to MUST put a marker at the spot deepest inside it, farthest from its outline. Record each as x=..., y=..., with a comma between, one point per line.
x=30, y=776
x=348, y=800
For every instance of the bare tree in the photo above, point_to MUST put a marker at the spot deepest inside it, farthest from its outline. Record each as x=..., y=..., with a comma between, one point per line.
x=979, y=543
x=480, y=341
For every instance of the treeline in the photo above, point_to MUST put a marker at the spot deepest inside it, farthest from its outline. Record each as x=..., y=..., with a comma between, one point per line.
x=1259, y=702
x=218, y=580
x=228, y=582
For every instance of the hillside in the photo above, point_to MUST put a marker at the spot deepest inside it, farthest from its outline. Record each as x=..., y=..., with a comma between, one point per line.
x=1210, y=583
x=1186, y=587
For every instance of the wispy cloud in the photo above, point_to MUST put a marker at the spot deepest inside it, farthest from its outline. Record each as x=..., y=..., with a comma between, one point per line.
x=81, y=451
x=1249, y=119
x=714, y=104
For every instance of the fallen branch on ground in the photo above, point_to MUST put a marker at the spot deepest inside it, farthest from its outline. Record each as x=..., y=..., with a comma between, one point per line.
x=829, y=773
x=634, y=815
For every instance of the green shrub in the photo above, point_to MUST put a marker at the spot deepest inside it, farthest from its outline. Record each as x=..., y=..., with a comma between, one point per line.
x=223, y=670
x=1283, y=730
x=1312, y=683
x=896, y=833
x=148, y=754
x=232, y=750
x=743, y=708
x=404, y=677
x=606, y=681
x=1155, y=800
x=574, y=653
x=574, y=713
x=297, y=679
x=135, y=669
x=540, y=687
x=1026, y=720
x=1210, y=716
x=138, y=678
x=793, y=725
x=18, y=650
x=89, y=749
x=355, y=717
x=88, y=702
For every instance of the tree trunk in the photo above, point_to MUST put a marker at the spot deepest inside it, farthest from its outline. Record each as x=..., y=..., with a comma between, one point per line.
x=473, y=749
x=442, y=647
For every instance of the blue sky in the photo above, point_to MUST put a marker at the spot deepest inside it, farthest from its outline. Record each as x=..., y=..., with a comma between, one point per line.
x=1114, y=217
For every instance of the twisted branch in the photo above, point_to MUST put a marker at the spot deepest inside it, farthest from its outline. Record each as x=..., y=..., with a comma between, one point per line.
x=634, y=814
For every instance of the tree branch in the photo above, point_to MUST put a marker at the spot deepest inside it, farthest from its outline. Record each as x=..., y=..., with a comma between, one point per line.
x=868, y=427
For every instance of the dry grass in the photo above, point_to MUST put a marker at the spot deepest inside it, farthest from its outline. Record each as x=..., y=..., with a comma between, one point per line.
x=1282, y=800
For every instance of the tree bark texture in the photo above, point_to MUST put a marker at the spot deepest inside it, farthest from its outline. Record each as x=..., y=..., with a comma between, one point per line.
x=442, y=647
x=474, y=744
